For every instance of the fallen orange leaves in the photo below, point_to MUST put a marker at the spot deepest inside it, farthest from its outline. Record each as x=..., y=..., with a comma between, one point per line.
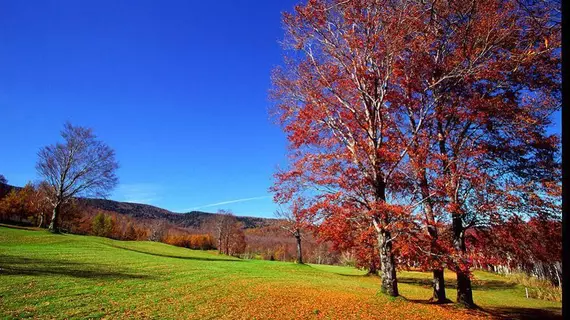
x=281, y=301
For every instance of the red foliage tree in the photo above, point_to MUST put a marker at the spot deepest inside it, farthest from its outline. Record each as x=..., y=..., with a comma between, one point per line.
x=491, y=110
x=339, y=105
x=533, y=246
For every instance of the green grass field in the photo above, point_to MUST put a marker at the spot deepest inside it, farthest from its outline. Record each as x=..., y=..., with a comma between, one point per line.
x=69, y=276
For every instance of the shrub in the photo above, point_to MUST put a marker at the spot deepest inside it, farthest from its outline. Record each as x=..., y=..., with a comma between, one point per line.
x=102, y=225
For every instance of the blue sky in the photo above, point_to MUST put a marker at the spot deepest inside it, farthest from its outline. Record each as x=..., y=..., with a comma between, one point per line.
x=177, y=88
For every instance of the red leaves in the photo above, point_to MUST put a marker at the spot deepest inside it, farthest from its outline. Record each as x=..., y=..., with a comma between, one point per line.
x=518, y=244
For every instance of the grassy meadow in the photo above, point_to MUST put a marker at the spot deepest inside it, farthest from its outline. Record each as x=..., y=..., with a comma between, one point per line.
x=77, y=277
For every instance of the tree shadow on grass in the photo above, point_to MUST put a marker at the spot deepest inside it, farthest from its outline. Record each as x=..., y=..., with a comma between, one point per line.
x=15, y=225
x=500, y=312
x=452, y=285
x=525, y=313
x=178, y=257
x=427, y=301
x=13, y=265
x=366, y=275
x=476, y=284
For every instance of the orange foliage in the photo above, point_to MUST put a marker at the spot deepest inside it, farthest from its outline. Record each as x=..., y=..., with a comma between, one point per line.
x=183, y=238
x=304, y=302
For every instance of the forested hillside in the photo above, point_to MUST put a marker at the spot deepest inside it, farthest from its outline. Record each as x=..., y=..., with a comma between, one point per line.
x=193, y=219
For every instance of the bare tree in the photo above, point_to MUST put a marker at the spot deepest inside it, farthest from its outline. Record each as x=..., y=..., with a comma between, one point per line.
x=223, y=228
x=3, y=179
x=157, y=230
x=293, y=223
x=80, y=166
x=236, y=243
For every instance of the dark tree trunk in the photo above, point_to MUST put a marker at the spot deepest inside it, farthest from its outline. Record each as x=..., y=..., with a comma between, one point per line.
x=53, y=226
x=439, y=295
x=388, y=265
x=372, y=269
x=373, y=266
x=299, y=251
x=438, y=286
x=464, y=293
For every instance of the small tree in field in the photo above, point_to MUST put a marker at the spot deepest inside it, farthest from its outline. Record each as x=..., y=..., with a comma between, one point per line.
x=80, y=166
x=294, y=222
x=98, y=224
x=157, y=230
x=102, y=225
x=237, y=242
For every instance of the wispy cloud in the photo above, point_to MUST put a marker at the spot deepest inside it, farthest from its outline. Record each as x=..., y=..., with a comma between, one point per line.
x=139, y=192
x=226, y=202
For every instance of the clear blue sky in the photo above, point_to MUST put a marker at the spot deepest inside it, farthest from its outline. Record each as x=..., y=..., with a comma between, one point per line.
x=177, y=88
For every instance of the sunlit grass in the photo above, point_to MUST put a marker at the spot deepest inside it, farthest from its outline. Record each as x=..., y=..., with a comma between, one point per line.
x=70, y=276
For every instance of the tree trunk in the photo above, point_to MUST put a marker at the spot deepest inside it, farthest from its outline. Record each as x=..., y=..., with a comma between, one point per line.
x=53, y=227
x=439, y=295
x=464, y=293
x=227, y=245
x=438, y=286
x=557, y=276
x=438, y=282
x=388, y=265
x=299, y=252
x=372, y=269
x=220, y=245
x=41, y=223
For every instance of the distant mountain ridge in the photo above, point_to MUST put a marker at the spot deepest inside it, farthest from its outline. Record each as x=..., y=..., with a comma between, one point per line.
x=6, y=188
x=193, y=219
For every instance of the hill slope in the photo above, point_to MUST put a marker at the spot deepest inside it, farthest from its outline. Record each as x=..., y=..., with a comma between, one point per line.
x=6, y=188
x=193, y=219
x=68, y=276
